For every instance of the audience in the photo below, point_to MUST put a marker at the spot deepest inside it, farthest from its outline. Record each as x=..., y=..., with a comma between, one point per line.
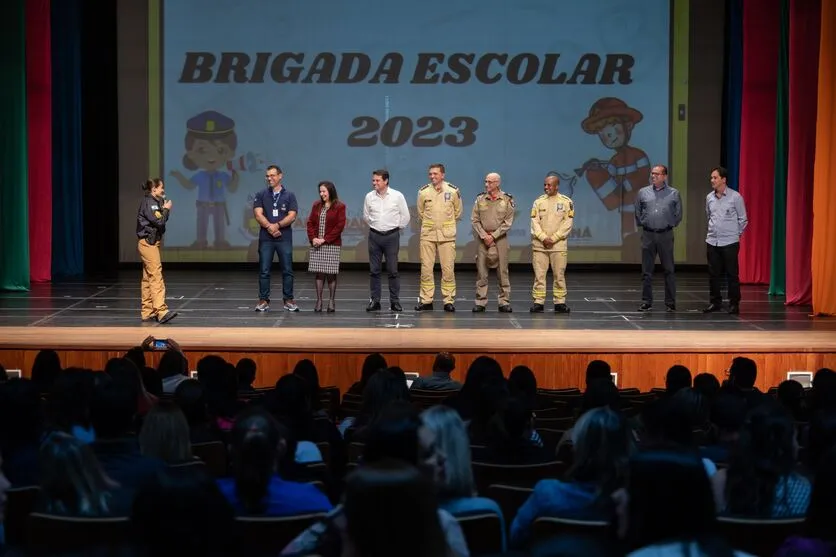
x=440, y=379
x=73, y=433
x=74, y=484
x=667, y=508
x=761, y=480
x=257, y=488
x=602, y=443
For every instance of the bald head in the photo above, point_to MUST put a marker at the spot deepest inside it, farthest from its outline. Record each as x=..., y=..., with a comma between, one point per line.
x=492, y=181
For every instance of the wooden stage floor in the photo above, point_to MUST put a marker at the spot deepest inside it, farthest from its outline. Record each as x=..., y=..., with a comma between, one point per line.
x=92, y=321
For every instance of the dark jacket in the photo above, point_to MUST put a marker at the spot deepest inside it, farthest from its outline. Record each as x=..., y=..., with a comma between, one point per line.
x=151, y=219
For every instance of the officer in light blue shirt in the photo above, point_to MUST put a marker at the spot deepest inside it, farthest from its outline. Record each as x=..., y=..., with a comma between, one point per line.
x=726, y=214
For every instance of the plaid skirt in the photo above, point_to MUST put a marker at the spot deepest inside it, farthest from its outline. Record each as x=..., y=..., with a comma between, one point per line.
x=324, y=259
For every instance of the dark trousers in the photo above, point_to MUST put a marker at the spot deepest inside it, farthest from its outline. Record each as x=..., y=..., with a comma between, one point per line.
x=722, y=260
x=266, y=249
x=380, y=246
x=661, y=244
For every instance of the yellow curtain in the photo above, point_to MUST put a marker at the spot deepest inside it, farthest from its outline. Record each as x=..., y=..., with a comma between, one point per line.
x=824, y=178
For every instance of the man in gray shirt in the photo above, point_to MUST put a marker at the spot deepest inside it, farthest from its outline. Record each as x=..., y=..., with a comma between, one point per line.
x=726, y=214
x=658, y=212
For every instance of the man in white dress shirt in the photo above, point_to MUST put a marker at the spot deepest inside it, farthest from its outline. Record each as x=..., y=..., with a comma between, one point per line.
x=386, y=212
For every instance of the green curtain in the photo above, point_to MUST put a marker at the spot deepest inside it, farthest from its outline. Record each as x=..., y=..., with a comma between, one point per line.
x=778, y=270
x=14, y=190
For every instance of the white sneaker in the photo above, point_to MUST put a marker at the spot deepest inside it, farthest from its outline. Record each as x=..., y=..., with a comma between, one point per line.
x=290, y=306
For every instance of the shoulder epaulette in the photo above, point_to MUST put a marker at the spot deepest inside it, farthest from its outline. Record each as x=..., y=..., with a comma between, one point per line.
x=425, y=186
x=452, y=186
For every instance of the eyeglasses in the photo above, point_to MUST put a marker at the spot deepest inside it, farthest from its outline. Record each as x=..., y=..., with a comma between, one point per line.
x=491, y=181
x=655, y=173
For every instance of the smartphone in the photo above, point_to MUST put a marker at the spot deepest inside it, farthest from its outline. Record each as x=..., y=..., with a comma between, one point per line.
x=160, y=344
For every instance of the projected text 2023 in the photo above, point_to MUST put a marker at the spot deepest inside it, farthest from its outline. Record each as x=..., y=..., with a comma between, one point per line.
x=426, y=131
x=428, y=68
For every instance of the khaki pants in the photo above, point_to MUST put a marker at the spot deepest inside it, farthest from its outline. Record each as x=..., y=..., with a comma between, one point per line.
x=541, y=260
x=153, y=287
x=494, y=257
x=447, y=256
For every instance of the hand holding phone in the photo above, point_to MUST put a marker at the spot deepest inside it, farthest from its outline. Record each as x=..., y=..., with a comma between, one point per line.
x=160, y=344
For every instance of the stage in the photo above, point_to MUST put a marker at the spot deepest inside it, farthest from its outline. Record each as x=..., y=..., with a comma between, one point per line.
x=89, y=322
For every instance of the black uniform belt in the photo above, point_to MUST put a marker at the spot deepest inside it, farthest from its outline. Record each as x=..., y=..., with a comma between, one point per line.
x=384, y=233
x=658, y=230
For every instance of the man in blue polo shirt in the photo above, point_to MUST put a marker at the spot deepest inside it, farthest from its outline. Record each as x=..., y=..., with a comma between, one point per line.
x=275, y=209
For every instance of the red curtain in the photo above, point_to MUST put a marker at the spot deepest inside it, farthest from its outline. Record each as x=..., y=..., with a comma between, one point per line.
x=805, y=28
x=39, y=129
x=761, y=32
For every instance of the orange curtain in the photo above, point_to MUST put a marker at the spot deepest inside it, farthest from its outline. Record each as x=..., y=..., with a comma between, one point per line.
x=824, y=176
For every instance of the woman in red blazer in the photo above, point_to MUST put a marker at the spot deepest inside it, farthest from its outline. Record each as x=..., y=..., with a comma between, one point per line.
x=325, y=228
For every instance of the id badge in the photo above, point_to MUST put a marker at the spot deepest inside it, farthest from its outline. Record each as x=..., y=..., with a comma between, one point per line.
x=275, y=212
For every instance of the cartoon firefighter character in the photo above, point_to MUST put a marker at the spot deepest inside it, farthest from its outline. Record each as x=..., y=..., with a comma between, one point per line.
x=617, y=181
x=210, y=149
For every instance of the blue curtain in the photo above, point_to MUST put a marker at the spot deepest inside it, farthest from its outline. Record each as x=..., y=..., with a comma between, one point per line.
x=734, y=91
x=67, y=199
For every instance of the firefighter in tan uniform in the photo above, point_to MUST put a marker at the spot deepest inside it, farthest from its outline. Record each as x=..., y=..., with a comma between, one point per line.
x=439, y=207
x=492, y=217
x=551, y=224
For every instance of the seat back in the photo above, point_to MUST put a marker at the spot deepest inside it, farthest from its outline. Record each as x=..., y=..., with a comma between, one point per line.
x=509, y=498
x=483, y=533
x=759, y=536
x=51, y=534
x=213, y=454
x=20, y=502
x=269, y=535
x=547, y=527
x=523, y=475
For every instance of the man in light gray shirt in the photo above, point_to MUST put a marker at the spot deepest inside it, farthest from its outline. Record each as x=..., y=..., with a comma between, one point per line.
x=386, y=212
x=658, y=212
x=726, y=214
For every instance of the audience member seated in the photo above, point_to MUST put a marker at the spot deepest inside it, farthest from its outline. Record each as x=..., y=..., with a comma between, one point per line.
x=306, y=369
x=819, y=539
x=440, y=380
x=597, y=369
x=165, y=436
x=257, y=487
x=823, y=393
x=668, y=424
x=68, y=404
x=394, y=436
x=508, y=438
x=220, y=384
x=728, y=412
x=124, y=371
x=3, y=375
x=45, y=370
x=743, y=373
x=707, y=385
x=371, y=365
x=603, y=443
x=382, y=389
x=73, y=482
x=190, y=396
x=667, y=508
x=791, y=397
x=290, y=405
x=173, y=369
x=599, y=393
x=184, y=516
x=821, y=436
x=483, y=392
x=678, y=377
x=390, y=509
x=246, y=371
x=5, y=484
x=761, y=480
x=443, y=430
x=112, y=413
x=522, y=383
x=21, y=429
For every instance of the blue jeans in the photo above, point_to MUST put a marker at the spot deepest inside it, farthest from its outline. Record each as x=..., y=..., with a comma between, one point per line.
x=266, y=249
